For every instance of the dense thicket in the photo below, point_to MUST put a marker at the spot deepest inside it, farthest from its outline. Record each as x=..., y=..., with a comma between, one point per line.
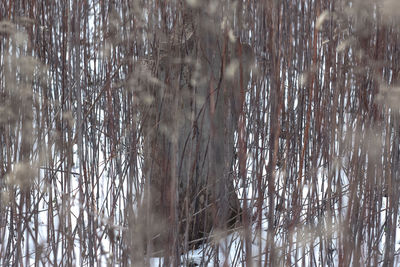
x=104, y=111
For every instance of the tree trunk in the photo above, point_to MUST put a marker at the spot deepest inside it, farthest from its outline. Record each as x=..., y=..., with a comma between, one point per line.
x=189, y=140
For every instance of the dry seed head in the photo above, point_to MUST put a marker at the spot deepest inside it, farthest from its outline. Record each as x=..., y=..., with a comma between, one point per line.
x=22, y=175
x=232, y=36
x=321, y=19
x=193, y=3
x=303, y=79
x=212, y=7
x=342, y=46
x=5, y=197
x=20, y=38
x=231, y=69
x=7, y=27
x=69, y=118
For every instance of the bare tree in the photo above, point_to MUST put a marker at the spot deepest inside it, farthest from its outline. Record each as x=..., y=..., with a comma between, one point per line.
x=257, y=132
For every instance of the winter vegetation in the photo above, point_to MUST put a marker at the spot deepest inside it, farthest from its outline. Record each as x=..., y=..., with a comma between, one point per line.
x=199, y=133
